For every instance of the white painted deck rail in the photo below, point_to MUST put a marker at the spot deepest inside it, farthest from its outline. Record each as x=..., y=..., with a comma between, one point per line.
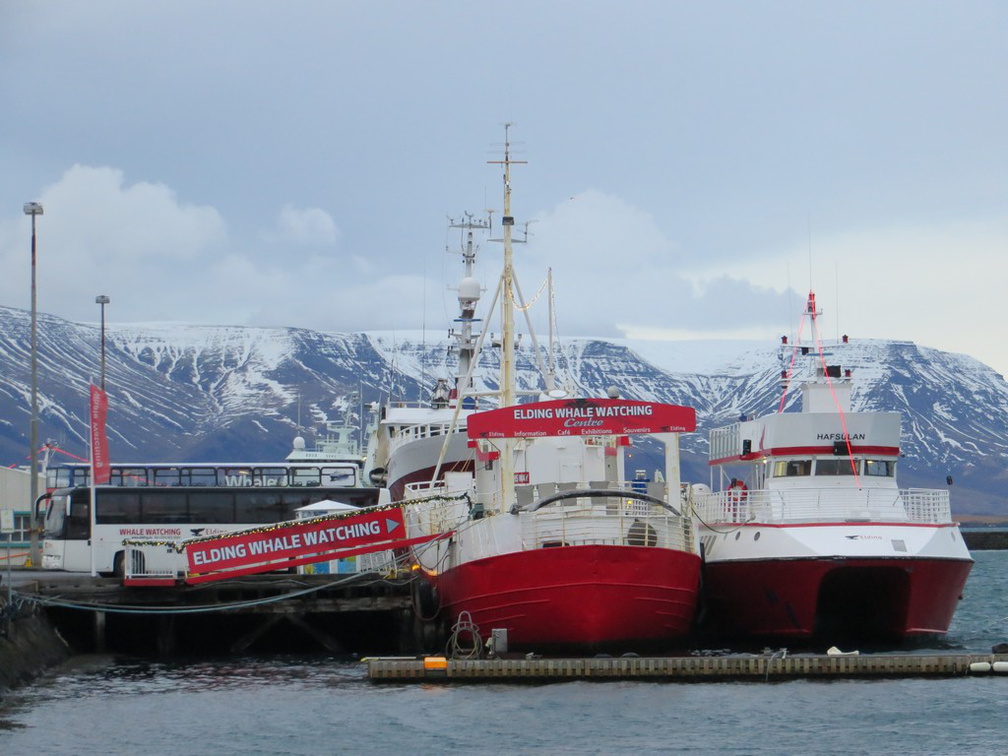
x=798, y=505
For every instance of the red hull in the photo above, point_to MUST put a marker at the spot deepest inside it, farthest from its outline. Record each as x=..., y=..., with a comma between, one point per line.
x=577, y=595
x=867, y=598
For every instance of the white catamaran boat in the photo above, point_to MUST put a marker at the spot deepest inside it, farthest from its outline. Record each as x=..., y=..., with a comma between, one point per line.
x=805, y=532
x=544, y=540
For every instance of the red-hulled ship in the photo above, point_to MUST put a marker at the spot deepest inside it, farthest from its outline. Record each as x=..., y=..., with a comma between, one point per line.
x=552, y=546
x=805, y=532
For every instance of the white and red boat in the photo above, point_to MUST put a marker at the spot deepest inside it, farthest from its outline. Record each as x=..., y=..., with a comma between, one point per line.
x=416, y=442
x=547, y=542
x=805, y=532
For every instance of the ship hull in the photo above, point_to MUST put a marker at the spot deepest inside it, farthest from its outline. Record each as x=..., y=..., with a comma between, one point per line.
x=416, y=462
x=834, y=598
x=576, y=596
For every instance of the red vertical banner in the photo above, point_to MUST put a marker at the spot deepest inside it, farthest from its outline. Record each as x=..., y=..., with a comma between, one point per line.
x=100, y=467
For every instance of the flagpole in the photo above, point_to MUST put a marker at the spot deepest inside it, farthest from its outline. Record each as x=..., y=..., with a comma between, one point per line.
x=91, y=507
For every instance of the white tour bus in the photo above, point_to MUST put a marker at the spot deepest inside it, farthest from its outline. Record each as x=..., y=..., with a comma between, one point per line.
x=156, y=513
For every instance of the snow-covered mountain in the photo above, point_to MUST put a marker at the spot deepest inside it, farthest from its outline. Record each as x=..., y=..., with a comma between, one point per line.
x=202, y=393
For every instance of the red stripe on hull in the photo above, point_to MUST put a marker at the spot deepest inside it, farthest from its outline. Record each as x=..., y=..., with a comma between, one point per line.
x=863, y=597
x=577, y=595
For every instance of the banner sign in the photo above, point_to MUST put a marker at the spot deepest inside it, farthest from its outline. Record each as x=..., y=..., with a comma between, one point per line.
x=581, y=417
x=295, y=540
x=100, y=466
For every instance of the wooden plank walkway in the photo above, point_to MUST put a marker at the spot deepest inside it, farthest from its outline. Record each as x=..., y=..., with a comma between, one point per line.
x=676, y=669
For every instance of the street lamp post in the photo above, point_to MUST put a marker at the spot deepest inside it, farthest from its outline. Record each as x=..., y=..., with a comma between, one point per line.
x=102, y=300
x=34, y=209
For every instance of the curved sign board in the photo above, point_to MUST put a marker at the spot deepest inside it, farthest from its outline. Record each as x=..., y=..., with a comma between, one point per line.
x=581, y=417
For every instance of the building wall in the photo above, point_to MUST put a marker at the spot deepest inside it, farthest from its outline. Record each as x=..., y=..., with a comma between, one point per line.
x=15, y=495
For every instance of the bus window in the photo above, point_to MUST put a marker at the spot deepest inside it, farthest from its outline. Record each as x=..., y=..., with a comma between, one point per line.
x=129, y=476
x=339, y=476
x=305, y=476
x=55, y=517
x=235, y=476
x=212, y=507
x=198, y=476
x=267, y=507
x=118, y=506
x=63, y=477
x=163, y=507
x=78, y=523
x=165, y=476
x=270, y=476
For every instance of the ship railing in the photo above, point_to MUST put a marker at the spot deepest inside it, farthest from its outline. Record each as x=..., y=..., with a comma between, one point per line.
x=445, y=507
x=423, y=430
x=916, y=505
x=725, y=442
x=609, y=514
x=927, y=505
x=606, y=520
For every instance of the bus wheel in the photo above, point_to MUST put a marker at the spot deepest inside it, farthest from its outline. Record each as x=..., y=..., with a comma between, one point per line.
x=119, y=565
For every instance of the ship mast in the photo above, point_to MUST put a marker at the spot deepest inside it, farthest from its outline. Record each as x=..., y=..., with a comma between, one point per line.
x=468, y=296
x=508, y=384
x=508, y=387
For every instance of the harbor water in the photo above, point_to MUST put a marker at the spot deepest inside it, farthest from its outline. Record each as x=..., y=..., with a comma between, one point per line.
x=312, y=705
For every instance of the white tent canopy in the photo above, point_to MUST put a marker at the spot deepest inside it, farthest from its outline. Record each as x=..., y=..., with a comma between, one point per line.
x=324, y=507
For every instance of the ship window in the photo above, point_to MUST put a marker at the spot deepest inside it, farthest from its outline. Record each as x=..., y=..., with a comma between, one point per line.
x=882, y=468
x=841, y=466
x=796, y=467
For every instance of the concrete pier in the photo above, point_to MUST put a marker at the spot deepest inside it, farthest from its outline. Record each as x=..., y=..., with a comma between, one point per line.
x=360, y=613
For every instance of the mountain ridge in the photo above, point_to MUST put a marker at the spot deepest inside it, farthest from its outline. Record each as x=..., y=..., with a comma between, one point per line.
x=233, y=393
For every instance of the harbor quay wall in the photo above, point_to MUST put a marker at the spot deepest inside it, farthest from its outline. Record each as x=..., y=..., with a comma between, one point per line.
x=985, y=540
x=29, y=644
x=351, y=615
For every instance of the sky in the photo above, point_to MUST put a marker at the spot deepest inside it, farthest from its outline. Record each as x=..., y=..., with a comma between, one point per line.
x=693, y=169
